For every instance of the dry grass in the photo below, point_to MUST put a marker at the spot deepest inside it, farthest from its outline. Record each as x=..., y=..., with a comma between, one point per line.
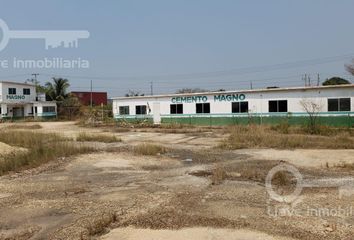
x=84, y=137
x=149, y=149
x=100, y=225
x=42, y=148
x=281, y=179
x=255, y=136
x=218, y=175
x=345, y=166
x=24, y=126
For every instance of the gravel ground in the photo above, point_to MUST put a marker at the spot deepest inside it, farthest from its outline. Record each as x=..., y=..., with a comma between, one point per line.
x=116, y=194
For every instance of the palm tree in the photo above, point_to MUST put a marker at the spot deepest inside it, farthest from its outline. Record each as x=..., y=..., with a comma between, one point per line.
x=57, y=91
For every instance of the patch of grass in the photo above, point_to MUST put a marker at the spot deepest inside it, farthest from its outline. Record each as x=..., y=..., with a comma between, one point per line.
x=24, y=126
x=218, y=175
x=255, y=136
x=42, y=148
x=100, y=225
x=118, y=129
x=281, y=179
x=345, y=165
x=29, y=139
x=149, y=149
x=254, y=170
x=84, y=137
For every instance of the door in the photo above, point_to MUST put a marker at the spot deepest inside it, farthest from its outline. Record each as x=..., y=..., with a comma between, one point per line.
x=157, y=115
x=18, y=111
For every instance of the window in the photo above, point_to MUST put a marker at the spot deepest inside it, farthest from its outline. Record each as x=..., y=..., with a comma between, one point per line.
x=26, y=91
x=12, y=91
x=48, y=109
x=176, y=108
x=239, y=107
x=203, y=107
x=278, y=106
x=124, y=110
x=338, y=104
x=140, y=110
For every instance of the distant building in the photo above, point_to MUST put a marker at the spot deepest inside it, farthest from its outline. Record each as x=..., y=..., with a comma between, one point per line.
x=98, y=98
x=334, y=106
x=20, y=100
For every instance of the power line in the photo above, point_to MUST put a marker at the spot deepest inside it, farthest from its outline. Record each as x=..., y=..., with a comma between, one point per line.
x=230, y=72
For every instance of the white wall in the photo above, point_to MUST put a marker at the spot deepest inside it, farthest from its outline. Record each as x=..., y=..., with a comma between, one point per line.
x=5, y=97
x=40, y=106
x=257, y=101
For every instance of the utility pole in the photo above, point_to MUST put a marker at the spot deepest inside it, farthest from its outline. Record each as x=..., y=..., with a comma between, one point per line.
x=35, y=77
x=91, y=95
x=305, y=79
x=318, y=79
x=309, y=80
x=152, y=88
x=251, y=85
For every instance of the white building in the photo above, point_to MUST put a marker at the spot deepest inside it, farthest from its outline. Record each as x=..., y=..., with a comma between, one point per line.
x=334, y=105
x=20, y=100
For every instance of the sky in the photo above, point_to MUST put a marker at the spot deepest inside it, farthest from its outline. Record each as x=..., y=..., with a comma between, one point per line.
x=174, y=44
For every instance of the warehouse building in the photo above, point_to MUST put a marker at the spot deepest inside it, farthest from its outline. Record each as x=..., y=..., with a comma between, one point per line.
x=20, y=100
x=97, y=98
x=334, y=106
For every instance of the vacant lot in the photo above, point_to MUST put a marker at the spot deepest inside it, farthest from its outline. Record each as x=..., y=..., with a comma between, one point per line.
x=172, y=183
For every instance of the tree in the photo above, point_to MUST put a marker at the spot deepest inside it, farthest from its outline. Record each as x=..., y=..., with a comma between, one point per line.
x=350, y=68
x=313, y=110
x=70, y=107
x=191, y=90
x=335, y=81
x=57, y=91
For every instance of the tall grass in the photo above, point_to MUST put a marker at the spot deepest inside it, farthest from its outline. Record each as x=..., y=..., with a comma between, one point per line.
x=84, y=137
x=42, y=148
x=24, y=126
x=255, y=136
x=218, y=175
x=148, y=149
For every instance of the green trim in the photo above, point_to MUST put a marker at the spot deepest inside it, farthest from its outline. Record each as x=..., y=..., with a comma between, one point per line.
x=256, y=114
x=335, y=120
x=135, y=120
x=117, y=116
x=46, y=114
x=339, y=119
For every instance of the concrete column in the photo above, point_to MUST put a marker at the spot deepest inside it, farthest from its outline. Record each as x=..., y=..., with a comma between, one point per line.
x=3, y=109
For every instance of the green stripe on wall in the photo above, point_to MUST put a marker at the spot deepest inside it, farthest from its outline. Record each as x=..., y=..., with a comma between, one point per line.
x=337, y=121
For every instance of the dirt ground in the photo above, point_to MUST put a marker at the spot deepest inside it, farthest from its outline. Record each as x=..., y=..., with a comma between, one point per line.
x=116, y=194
